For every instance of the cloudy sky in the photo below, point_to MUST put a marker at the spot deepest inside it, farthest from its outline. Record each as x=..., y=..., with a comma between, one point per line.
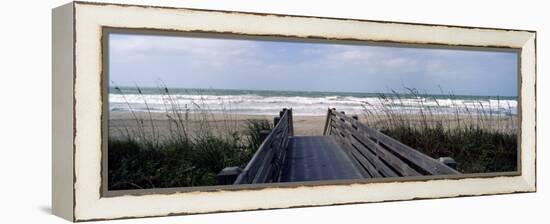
x=250, y=64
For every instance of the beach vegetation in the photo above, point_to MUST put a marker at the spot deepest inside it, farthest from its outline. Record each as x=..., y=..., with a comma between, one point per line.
x=194, y=149
x=480, y=138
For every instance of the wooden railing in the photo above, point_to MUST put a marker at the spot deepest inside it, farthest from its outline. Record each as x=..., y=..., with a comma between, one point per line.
x=377, y=154
x=266, y=164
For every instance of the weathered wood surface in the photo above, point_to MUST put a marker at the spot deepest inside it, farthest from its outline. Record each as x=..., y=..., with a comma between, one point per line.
x=378, y=154
x=349, y=150
x=266, y=164
x=315, y=158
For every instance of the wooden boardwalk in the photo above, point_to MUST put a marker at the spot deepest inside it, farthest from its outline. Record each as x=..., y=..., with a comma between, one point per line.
x=311, y=158
x=348, y=149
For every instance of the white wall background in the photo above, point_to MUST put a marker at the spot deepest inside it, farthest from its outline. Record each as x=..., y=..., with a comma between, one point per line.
x=25, y=112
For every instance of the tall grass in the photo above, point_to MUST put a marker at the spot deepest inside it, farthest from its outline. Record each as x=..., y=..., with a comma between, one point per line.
x=196, y=146
x=480, y=139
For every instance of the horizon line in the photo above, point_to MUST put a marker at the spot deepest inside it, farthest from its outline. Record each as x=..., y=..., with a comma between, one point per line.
x=314, y=91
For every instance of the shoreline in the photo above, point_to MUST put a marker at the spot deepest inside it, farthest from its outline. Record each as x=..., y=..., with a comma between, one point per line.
x=303, y=125
x=121, y=122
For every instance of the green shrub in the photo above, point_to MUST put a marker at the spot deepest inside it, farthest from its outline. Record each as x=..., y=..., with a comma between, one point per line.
x=186, y=156
x=480, y=140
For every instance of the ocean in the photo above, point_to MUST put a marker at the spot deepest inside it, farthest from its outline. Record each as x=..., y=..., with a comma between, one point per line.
x=269, y=102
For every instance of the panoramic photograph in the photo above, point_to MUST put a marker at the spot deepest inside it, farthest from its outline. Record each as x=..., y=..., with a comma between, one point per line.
x=193, y=111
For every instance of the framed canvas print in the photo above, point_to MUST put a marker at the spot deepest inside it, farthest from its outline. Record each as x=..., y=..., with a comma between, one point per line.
x=166, y=111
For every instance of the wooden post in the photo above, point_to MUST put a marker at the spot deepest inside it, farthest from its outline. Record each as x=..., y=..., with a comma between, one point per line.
x=264, y=134
x=327, y=123
x=282, y=112
x=275, y=121
x=450, y=162
x=291, y=123
x=354, y=117
x=228, y=175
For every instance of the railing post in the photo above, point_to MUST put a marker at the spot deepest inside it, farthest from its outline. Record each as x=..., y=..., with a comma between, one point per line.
x=276, y=121
x=450, y=162
x=327, y=122
x=356, y=118
x=264, y=134
x=282, y=112
x=228, y=175
x=290, y=123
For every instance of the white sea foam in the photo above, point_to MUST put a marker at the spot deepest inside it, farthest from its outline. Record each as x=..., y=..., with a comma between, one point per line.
x=269, y=105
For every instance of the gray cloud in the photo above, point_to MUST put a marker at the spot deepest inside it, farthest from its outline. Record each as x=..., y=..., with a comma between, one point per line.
x=247, y=64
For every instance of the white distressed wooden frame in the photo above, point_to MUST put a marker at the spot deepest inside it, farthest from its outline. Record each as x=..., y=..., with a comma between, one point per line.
x=77, y=110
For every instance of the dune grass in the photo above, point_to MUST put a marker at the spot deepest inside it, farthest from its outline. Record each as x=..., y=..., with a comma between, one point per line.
x=479, y=139
x=192, y=152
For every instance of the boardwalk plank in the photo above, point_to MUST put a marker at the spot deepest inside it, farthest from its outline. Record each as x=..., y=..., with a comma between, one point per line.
x=373, y=158
x=426, y=163
x=380, y=152
x=315, y=158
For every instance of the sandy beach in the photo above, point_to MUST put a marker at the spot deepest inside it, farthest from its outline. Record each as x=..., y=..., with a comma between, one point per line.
x=496, y=123
x=120, y=121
